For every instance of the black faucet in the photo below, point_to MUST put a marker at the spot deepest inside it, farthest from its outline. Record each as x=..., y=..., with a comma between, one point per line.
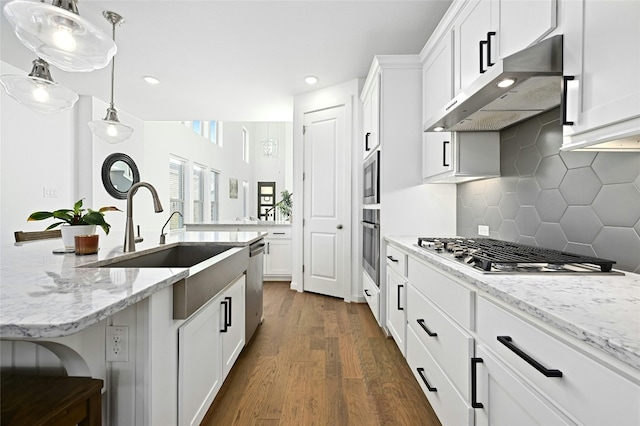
x=162, y=234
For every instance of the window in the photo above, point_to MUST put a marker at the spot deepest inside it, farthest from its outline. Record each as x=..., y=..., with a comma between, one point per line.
x=197, y=126
x=176, y=191
x=245, y=198
x=197, y=194
x=213, y=187
x=213, y=132
x=245, y=145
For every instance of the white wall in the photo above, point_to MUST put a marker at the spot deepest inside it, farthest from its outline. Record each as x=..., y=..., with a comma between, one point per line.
x=342, y=94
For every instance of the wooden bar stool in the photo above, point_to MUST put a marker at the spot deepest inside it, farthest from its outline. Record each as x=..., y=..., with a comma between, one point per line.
x=51, y=400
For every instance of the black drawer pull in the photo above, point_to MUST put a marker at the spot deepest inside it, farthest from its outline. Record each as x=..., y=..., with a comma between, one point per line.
x=482, y=43
x=474, y=383
x=229, y=311
x=366, y=292
x=424, y=379
x=507, y=341
x=424, y=327
x=444, y=154
x=563, y=105
x=392, y=259
x=400, y=308
x=224, y=324
x=366, y=141
x=490, y=34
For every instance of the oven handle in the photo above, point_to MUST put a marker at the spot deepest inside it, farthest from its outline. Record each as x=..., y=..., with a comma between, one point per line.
x=369, y=225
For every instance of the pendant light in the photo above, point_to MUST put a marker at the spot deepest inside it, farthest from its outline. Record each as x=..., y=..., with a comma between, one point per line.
x=270, y=145
x=38, y=91
x=59, y=35
x=109, y=129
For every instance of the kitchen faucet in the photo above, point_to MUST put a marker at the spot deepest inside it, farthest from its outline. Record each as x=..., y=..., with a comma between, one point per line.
x=162, y=234
x=129, y=237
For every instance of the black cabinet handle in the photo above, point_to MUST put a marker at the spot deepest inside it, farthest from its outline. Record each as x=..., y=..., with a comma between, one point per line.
x=424, y=327
x=444, y=154
x=482, y=43
x=400, y=308
x=229, y=311
x=508, y=342
x=565, y=79
x=224, y=329
x=366, y=292
x=420, y=371
x=474, y=395
x=366, y=141
x=490, y=34
x=392, y=259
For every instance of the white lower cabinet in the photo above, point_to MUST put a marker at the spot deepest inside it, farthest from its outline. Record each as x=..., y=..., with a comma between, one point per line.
x=372, y=295
x=505, y=399
x=209, y=342
x=450, y=407
x=277, y=258
x=396, y=312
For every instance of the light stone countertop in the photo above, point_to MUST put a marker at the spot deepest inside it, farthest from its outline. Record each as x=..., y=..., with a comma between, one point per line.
x=601, y=310
x=236, y=223
x=44, y=295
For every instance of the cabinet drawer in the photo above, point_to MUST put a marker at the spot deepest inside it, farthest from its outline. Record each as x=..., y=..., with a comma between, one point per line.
x=372, y=295
x=397, y=260
x=448, y=343
x=448, y=404
x=587, y=389
x=278, y=233
x=454, y=299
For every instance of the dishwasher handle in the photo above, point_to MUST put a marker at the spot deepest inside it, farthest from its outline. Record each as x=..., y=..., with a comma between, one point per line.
x=256, y=249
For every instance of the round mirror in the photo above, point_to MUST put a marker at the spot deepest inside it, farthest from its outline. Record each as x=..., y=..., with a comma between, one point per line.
x=119, y=173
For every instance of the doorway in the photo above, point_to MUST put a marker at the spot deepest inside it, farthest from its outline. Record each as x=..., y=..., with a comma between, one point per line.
x=327, y=198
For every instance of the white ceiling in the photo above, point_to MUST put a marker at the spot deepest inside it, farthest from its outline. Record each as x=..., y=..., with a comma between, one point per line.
x=237, y=60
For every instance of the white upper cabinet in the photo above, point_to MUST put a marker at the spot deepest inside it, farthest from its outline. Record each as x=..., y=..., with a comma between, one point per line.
x=524, y=22
x=602, y=57
x=437, y=77
x=371, y=117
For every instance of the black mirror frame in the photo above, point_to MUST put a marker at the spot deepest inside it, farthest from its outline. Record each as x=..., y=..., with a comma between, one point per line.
x=106, y=173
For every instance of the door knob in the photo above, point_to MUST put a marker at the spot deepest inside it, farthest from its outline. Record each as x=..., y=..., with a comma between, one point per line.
x=339, y=226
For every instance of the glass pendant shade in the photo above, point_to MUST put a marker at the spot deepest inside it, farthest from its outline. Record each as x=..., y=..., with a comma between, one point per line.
x=109, y=129
x=59, y=35
x=38, y=91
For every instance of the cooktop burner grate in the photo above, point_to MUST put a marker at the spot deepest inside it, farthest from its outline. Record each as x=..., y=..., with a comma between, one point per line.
x=487, y=253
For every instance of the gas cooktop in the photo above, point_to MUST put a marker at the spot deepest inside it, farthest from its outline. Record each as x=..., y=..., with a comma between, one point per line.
x=492, y=256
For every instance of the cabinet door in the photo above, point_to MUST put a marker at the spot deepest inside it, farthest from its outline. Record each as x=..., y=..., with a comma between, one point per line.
x=199, y=363
x=372, y=295
x=473, y=27
x=601, y=53
x=366, y=126
x=437, y=153
x=232, y=324
x=437, y=77
x=371, y=118
x=507, y=400
x=396, y=304
x=523, y=22
x=277, y=258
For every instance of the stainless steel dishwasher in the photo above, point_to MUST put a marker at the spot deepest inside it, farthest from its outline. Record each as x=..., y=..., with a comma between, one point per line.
x=253, y=294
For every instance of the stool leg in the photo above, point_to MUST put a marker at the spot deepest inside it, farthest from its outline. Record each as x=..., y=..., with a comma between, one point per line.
x=94, y=417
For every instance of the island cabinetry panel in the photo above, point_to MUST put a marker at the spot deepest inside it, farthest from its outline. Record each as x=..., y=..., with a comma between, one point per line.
x=587, y=390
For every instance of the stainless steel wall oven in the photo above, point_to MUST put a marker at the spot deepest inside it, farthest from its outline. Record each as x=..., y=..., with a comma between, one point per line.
x=371, y=179
x=371, y=243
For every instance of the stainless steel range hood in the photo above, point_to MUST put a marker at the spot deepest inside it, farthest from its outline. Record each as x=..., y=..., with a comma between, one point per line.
x=486, y=107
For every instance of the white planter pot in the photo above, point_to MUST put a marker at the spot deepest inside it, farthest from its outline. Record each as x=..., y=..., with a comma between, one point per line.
x=69, y=232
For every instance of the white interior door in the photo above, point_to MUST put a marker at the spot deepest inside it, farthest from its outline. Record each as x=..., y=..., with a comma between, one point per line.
x=326, y=185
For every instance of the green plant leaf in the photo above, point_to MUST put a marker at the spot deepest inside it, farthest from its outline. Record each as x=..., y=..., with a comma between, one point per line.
x=39, y=216
x=96, y=218
x=53, y=225
x=109, y=209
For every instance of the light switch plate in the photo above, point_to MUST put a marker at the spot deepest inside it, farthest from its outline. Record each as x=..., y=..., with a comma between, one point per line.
x=483, y=230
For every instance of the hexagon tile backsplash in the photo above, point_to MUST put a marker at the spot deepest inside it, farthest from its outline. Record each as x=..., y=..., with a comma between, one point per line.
x=580, y=202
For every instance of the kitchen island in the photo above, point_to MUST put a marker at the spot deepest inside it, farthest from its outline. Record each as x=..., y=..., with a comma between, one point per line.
x=550, y=348
x=54, y=301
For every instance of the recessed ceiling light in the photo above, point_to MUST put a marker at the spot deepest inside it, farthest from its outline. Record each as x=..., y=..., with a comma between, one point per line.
x=311, y=79
x=506, y=82
x=151, y=80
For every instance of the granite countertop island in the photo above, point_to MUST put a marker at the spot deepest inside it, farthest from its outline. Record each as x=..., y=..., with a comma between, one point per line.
x=236, y=224
x=601, y=310
x=46, y=295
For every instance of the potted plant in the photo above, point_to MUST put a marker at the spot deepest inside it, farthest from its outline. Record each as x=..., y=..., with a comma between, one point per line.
x=76, y=221
x=284, y=205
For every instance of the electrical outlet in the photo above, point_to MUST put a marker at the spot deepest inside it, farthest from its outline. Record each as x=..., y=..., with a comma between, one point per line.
x=117, y=343
x=483, y=230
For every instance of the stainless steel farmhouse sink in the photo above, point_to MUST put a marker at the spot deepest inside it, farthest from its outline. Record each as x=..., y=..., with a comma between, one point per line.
x=180, y=256
x=211, y=268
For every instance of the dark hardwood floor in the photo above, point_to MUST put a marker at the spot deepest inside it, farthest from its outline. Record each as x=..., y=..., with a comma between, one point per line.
x=317, y=360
